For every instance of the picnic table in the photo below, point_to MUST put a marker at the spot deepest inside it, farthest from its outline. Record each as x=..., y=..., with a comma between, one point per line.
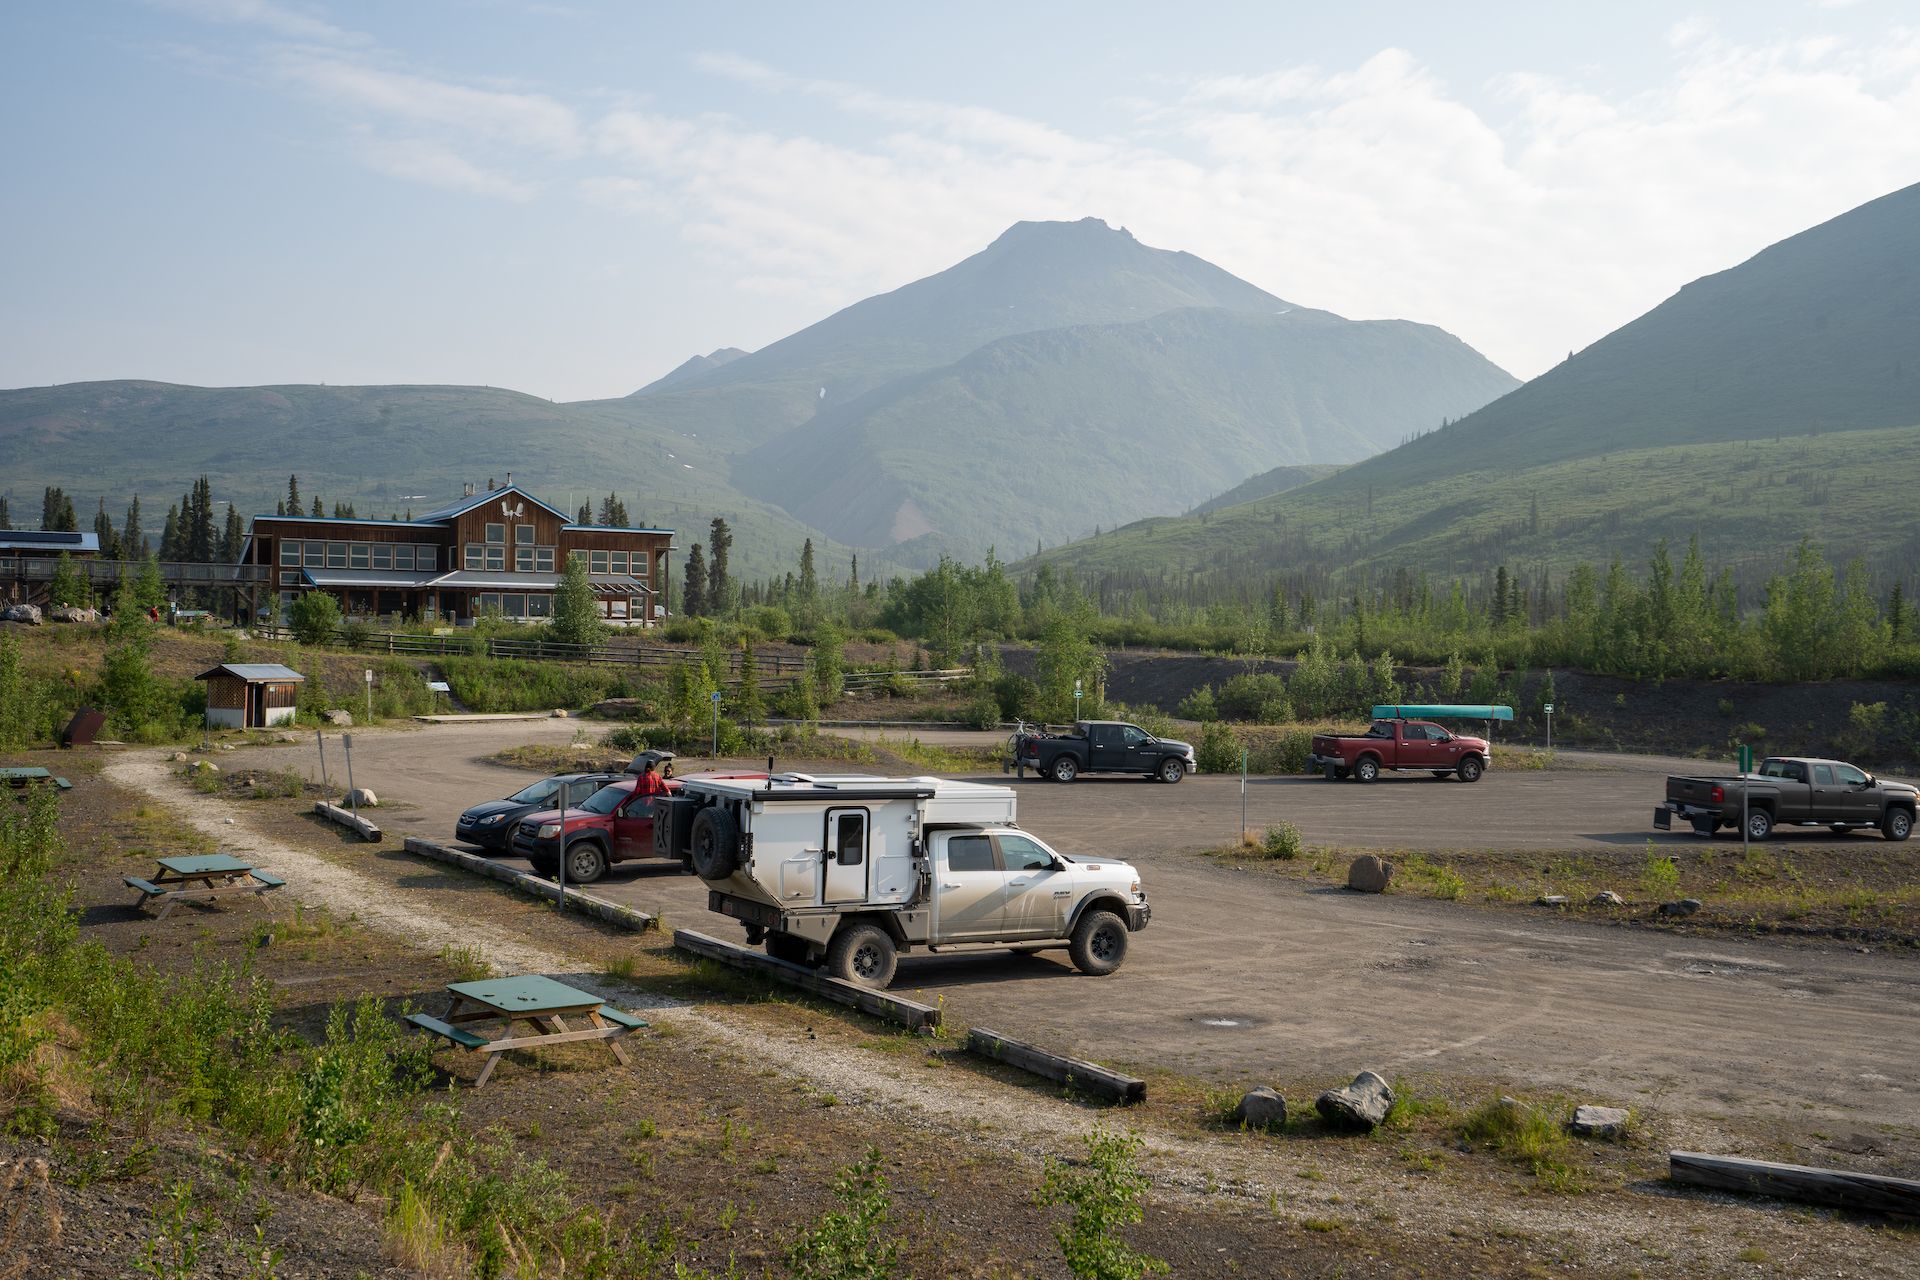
x=534, y=999
x=200, y=879
x=24, y=776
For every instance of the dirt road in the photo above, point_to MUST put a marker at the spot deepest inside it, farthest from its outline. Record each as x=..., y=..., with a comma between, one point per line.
x=1244, y=977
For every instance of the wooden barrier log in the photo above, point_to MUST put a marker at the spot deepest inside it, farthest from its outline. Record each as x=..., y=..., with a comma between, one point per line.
x=1865, y=1192
x=908, y=1013
x=348, y=819
x=1076, y=1073
x=538, y=886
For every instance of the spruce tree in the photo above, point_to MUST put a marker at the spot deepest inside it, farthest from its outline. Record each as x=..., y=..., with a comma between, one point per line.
x=133, y=539
x=103, y=531
x=585, y=517
x=748, y=704
x=720, y=539
x=293, y=496
x=576, y=614
x=170, y=537
x=318, y=510
x=613, y=512
x=809, y=579
x=202, y=544
x=6, y=516
x=693, y=592
x=235, y=536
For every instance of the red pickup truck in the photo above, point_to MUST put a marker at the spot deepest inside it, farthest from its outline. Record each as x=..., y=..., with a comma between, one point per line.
x=612, y=825
x=1399, y=744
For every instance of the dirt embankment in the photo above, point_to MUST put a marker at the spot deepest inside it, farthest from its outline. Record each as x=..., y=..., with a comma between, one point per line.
x=1673, y=717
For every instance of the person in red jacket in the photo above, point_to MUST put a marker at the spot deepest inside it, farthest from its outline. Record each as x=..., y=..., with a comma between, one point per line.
x=650, y=783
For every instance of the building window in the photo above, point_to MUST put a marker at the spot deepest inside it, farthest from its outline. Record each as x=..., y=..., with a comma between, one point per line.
x=336, y=555
x=490, y=601
x=289, y=579
x=539, y=606
x=619, y=564
x=359, y=556
x=543, y=559
x=514, y=606
x=496, y=559
x=640, y=564
x=289, y=551
x=617, y=607
x=523, y=559
x=496, y=533
x=476, y=557
x=315, y=555
x=596, y=562
x=403, y=556
x=523, y=534
x=424, y=558
x=383, y=555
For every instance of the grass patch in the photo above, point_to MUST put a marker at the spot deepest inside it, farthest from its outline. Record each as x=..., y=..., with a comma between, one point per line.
x=466, y=963
x=1529, y=1137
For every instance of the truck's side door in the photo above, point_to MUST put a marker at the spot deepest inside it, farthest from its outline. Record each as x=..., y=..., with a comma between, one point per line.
x=1419, y=748
x=1039, y=893
x=970, y=889
x=1106, y=747
x=846, y=862
x=1864, y=802
x=633, y=829
x=1793, y=793
x=1830, y=801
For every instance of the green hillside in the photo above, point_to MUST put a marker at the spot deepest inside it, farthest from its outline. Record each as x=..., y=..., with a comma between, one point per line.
x=1750, y=407
x=1043, y=436
x=1265, y=485
x=370, y=446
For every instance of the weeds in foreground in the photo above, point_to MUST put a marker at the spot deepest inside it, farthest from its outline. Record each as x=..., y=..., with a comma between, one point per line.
x=851, y=1242
x=1528, y=1136
x=1660, y=877
x=1104, y=1195
x=466, y=963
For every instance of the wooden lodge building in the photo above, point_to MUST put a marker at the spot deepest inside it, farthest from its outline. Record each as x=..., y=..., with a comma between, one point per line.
x=499, y=549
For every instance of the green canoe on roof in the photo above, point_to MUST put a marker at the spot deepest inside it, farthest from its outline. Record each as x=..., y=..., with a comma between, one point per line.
x=1442, y=711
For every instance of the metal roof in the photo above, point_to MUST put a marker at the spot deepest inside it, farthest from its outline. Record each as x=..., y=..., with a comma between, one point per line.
x=345, y=520
x=613, y=528
x=48, y=540
x=481, y=580
x=467, y=504
x=368, y=578
x=252, y=671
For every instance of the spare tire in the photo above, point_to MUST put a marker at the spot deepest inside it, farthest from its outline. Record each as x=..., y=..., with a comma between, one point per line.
x=715, y=844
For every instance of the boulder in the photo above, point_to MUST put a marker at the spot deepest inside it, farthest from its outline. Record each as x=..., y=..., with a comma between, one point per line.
x=361, y=798
x=205, y=766
x=1369, y=874
x=1361, y=1105
x=1551, y=900
x=340, y=719
x=1599, y=1122
x=1684, y=907
x=561, y=713
x=72, y=613
x=27, y=613
x=1261, y=1108
x=179, y=757
x=1608, y=898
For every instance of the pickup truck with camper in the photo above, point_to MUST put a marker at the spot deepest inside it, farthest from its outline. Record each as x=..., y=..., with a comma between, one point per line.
x=1791, y=791
x=852, y=870
x=490, y=825
x=1099, y=746
x=614, y=824
x=1398, y=740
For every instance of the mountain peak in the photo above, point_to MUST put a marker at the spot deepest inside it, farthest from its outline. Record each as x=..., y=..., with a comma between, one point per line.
x=1089, y=228
x=693, y=367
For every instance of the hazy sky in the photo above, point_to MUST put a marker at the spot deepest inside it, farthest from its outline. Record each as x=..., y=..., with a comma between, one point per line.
x=570, y=198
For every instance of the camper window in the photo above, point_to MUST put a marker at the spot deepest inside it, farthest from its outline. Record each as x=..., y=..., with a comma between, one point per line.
x=850, y=839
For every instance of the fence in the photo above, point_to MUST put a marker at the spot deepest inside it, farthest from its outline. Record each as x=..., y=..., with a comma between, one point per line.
x=91, y=569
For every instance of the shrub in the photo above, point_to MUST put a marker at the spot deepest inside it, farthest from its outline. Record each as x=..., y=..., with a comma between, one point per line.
x=982, y=712
x=1260, y=697
x=1860, y=740
x=1281, y=842
x=1104, y=1195
x=1282, y=752
x=851, y=1242
x=1218, y=750
x=356, y=633
x=512, y=684
x=1660, y=877
x=1198, y=705
x=316, y=616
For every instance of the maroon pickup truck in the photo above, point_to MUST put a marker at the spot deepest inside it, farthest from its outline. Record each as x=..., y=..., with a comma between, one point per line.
x=612, y=825
x=1399, y=744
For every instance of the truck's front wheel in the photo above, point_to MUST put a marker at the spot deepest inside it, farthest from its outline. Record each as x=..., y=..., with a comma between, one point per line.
x=863, y=953
x=586, y=861
x=1099, y=943
x=1898, y=824
x=1065, y=768
x=1172, y=770
x=1470, y=769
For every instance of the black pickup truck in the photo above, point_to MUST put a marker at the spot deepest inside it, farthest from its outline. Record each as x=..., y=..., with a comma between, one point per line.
x=1099, y=746
x=1791, y=791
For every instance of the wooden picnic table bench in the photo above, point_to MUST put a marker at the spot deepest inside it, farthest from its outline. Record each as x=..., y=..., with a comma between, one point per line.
x=200, y=879
x=538, y=1000
x=20, y=777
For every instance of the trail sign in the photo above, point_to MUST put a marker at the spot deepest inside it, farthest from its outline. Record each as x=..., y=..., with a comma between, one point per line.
x=1746, y=759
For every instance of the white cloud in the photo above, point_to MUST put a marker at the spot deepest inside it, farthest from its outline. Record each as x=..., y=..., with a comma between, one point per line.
x=281, y=20
x=528, y=120
x=417, y=160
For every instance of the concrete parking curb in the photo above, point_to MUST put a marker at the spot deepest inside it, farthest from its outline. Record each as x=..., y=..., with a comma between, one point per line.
x=600, y=908
x=910, y=1014
x=348, y=819
x=1076, y=1073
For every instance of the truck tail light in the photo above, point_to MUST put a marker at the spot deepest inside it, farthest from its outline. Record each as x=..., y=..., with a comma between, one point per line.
x=1033, y=748
x=1718, y=794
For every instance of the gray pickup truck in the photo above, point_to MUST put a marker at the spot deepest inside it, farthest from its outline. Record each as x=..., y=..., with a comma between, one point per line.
x=1791, y=791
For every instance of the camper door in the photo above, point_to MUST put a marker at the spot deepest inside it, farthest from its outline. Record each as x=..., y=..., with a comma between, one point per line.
x=847, y=861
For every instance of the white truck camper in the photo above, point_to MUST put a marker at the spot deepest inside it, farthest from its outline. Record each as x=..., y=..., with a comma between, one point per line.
x=852, y=870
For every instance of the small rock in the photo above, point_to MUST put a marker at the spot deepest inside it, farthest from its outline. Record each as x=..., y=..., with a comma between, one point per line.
x=205, y=766
x=1684, y=907
x=561, y=713
x=1369, y=874
x=179, y=757
x=289, y=737
x=1261, y=1108
x=1551, y=900
x=226, y=746
x=1608, y=898
x=340, y=719
x=230, y=822
x=361, y=798
x=1361, y=1105
x=1599, y=1122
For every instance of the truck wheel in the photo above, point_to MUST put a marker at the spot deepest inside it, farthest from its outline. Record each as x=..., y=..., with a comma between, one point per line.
x=863, y=953
x=1065, y=769
x=784, y=946
x=1099, y=943
x=1759, y=824
x=1366, y=769
x=586, y=861
x=1897, y=825
x=1470, y=768
x=1172, y=770
x=715, y=844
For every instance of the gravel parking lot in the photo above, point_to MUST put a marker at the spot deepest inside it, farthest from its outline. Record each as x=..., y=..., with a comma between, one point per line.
x=1244, y=977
